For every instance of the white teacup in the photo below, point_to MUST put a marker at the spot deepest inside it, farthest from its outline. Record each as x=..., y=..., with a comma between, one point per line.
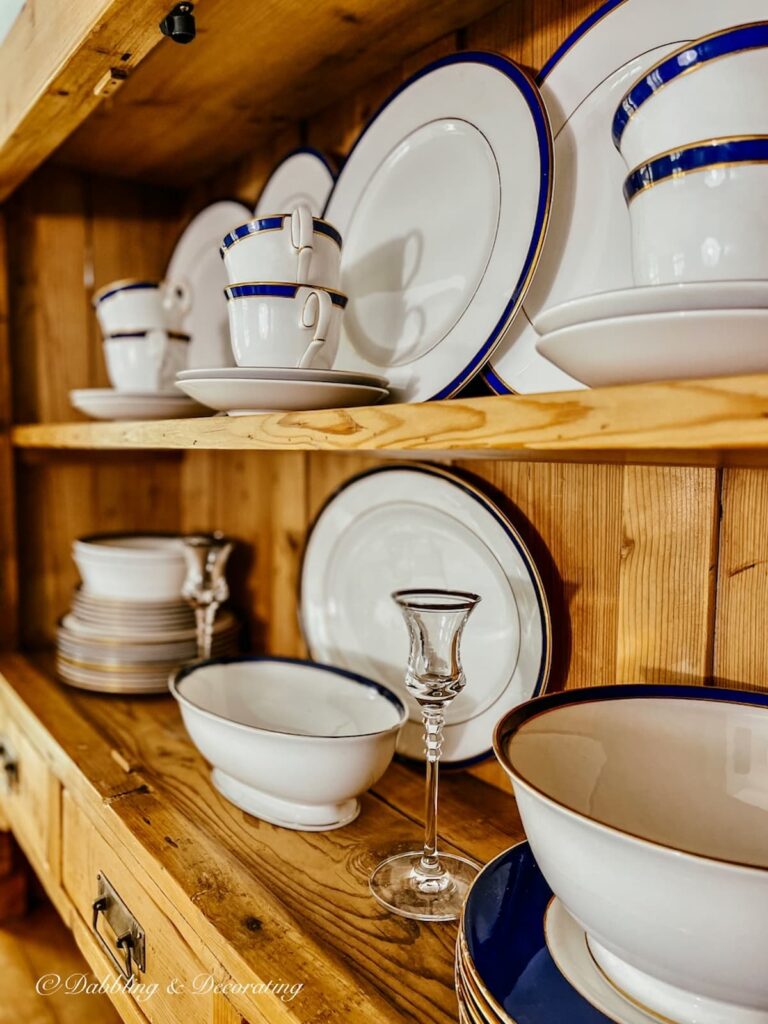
x=140, y=305
x=701, y=213
x=282, y=324
x=145, y=360
x=710, y=88
x=286, y=247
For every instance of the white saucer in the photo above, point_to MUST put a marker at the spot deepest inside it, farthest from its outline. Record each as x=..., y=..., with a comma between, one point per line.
x=300, y=817
x=661, y=346
x=667, y=298
x=246, y=397
x=284, y=373
x=197, y=265
x=304, y=176
x=567, y=944
x=108, y=404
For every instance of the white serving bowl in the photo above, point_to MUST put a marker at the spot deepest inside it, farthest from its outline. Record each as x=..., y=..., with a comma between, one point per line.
x=268, y=249
x=145, y=360
x=701, y=213
x=713, y=87
x=132, y=305
x=292, y=742
x=283, y=324
x=131, y=567
x=646, y=807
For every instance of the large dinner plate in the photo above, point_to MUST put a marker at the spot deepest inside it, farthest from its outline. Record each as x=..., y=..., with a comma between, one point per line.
x=303, y=176
x=588, y=246
x=417, y=526
x=442, y=203
x=197, y=266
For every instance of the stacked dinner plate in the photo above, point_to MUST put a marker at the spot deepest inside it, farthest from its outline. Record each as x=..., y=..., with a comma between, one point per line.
x=131, y=646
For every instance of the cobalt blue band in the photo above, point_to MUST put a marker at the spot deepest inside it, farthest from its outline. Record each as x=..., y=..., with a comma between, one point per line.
x=745, y=37
x=283, y=291
x=134, y=286
x=697, y=158
x=272, y=223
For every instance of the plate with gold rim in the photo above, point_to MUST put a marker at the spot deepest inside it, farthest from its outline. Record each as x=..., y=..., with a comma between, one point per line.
x=305, y=176
x=588, y=246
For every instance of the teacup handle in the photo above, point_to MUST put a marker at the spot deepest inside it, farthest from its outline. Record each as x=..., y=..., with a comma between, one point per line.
x=302, y=237
x=316, y=312
x=177, y=296
x=158, y=351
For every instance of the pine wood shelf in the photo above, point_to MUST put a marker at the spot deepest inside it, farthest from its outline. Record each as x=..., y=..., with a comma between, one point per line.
x=720, y=421
x=249, y=901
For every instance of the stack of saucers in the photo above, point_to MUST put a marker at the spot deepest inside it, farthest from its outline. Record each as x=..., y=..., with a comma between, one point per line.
x=693, y=132
x=128, y=627
x=285, y=313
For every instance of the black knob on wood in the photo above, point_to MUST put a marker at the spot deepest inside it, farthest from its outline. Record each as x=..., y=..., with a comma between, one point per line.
x=179, y=24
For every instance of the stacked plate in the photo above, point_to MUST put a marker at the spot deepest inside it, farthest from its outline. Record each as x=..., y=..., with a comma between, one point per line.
x=131, y=646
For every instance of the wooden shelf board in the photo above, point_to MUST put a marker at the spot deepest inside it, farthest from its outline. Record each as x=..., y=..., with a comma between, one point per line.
x=222, y=869
x=707, y=422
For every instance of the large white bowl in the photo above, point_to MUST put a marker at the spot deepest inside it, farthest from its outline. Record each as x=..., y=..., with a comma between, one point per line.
x=131, y=567
x=713, y=87
x=701, y=213
x=646, y=807
x=292, y=742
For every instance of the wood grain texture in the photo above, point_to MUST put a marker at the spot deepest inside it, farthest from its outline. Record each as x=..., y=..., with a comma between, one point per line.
x=52, y=63
x=710, y=422
x=741, y=659
x=8, y=541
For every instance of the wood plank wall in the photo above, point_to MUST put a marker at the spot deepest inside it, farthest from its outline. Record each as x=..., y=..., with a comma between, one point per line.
x=653, y=573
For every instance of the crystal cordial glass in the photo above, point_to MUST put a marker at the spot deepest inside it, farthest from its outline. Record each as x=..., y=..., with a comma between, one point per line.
x=425, y=884
x=205, y=587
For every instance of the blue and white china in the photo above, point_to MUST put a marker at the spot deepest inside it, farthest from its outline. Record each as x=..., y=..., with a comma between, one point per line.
x=109, y=404
x=436, y=275
x=145, y=360
x=292, y=742
x=507, y=971
x=278, y=390
x=196, y=268
x=418, y=526
x=588, y=248
x=280, y=373
x=289, y=247
x=665, y=298
x=701, y=213
x=305, y=176
x=646, y=807
x=282, y=324
x=131, y=567
x=133, y=305
x=708, y=89
x=661, y=346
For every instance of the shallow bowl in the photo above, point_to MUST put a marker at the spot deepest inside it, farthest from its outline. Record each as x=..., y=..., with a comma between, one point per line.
x=131, y=567
x=291, y=742
x=647, y=811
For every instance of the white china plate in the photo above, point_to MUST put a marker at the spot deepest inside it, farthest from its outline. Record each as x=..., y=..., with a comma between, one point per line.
x=662, y=346
x=666, y=298
x=304, y=176
x=436, y=274
x=567, y=944
x=77, y=629
x=198, y=266
x=106, y=404
x=588, y=246
x=245, y=397
x=416, y=526
x=283, y=373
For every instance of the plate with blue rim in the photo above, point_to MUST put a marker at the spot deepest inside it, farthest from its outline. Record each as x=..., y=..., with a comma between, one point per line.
x=305, y=176
x=587, y=250
x=505, y=971
x=443, y=203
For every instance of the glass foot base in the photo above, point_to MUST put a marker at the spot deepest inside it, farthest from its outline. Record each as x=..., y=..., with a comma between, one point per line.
x=399, y=885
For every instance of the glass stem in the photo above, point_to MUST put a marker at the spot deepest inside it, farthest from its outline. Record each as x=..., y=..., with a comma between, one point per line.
x=433, y=736
x=204, y=618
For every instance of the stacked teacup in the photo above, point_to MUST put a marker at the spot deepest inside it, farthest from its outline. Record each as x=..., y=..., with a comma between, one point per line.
x=144, y=346
x=284, y=305
x=693, y=131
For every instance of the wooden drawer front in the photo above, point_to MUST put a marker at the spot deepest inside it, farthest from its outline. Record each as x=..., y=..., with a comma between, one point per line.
x=30, y=797
x=170, y=963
